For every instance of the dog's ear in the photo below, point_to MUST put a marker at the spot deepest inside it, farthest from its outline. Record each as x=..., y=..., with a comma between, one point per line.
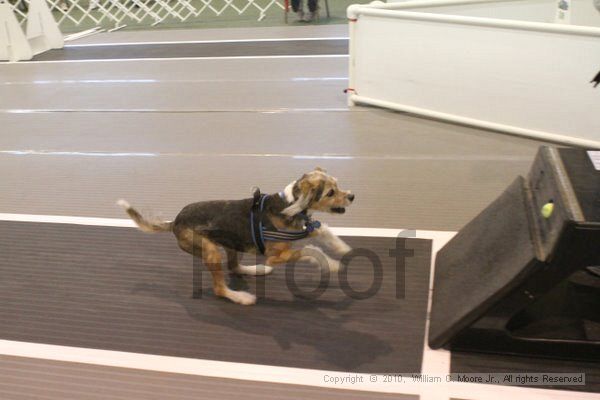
x=305, y=193
x=319, y=191
x=301, y=192
x=317, y=168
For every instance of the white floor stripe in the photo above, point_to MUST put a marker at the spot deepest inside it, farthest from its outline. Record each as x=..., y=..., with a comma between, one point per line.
x=329, y=156
x=59, y=219
x=168, y=81
x=282, y=375
x=178, y=59
x=216, y=369
x=442, y=236
x=177, y=111
x=303, y=39
x=434, y=362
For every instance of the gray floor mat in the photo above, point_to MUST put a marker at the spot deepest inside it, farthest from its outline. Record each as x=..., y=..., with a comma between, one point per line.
x=120, y=289
x=185, y=50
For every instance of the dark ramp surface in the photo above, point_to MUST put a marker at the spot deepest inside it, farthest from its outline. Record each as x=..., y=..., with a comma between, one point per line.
x=188, y=50
x=120, y=289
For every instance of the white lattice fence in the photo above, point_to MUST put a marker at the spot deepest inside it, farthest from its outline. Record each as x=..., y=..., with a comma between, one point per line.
x=117, y=13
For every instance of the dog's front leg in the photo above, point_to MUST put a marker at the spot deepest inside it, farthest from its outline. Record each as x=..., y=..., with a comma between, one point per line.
x=324, y=236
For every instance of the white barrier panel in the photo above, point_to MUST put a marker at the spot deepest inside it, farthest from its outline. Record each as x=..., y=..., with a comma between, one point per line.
x=42, y=31
x=519, y=77
x=581, y=12
x=13, y=43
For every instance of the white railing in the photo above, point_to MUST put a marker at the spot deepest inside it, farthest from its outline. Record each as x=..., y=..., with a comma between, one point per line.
x=441, y=59
x=114, y=14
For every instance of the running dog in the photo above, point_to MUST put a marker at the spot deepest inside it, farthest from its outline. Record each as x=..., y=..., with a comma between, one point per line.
x=264, y=223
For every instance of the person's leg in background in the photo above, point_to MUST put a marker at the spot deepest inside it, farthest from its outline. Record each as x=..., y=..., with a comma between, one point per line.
x=297, y=7
x=313, y=10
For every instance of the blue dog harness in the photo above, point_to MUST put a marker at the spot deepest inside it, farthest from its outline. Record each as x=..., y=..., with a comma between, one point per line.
x=260, y=234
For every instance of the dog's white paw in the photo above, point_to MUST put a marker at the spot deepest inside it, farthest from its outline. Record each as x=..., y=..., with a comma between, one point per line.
x=240, y=297
x=259, y=269
x=331, y=241
x=317, y=257
x=342, y=249
x=333, y=265
x=124, y=203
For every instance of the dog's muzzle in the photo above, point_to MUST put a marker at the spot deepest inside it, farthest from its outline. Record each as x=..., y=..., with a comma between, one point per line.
x=341, y=210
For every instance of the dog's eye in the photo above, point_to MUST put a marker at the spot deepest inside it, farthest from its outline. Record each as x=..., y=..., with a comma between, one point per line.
x=330, y=193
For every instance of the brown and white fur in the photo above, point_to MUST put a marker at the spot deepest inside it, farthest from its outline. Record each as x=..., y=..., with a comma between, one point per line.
x=203, y=228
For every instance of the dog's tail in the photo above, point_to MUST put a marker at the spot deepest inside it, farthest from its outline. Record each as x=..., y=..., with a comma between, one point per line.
x=150, y=225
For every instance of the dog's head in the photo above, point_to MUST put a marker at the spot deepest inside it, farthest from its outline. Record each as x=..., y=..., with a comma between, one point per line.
x=318, y=191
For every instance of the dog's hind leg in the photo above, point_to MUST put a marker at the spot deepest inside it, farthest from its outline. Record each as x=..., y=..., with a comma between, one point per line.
x=199, y=246
x=211, y=257
x=235, y=266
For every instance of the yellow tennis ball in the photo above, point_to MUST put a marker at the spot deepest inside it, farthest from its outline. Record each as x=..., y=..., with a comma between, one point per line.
x=547, y=210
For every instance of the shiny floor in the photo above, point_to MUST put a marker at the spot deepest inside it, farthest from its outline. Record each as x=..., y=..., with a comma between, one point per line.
x=162, y=133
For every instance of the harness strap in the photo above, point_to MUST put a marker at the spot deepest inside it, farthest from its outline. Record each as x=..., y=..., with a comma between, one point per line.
x=284, y=235
x=256, y=221
x=260, y=233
